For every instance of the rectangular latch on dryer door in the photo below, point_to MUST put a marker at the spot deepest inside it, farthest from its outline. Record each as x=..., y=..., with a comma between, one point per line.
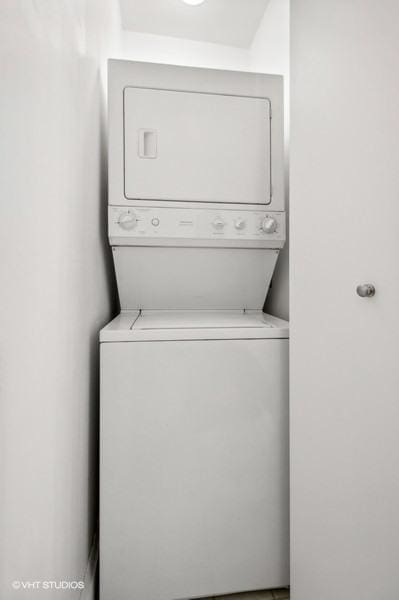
x=147, y=143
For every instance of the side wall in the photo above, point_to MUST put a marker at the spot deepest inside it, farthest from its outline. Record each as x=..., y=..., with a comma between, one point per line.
x=56, y=281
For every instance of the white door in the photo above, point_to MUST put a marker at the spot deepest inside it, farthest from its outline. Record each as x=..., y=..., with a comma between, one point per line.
x=345, y=348
x=196, y=146
x=194, y=468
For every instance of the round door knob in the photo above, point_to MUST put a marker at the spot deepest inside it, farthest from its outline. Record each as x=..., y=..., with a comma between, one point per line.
x=127, y=220
x=218, y=223
x=269, y=225
x=366, y=290
x=239, y=224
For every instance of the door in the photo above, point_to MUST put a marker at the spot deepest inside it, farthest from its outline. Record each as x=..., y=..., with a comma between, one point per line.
x=194, y=468
x=196, y=147
x=345, y=348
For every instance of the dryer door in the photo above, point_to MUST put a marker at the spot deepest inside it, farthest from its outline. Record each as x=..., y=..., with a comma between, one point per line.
x=196, y=146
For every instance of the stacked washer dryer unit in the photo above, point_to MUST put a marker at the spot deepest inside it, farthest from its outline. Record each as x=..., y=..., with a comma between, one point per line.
x=194, y=376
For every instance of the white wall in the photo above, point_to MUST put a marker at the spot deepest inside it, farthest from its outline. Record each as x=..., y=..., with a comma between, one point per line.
x=270, y=53
x=177, y=51
x=55, y=279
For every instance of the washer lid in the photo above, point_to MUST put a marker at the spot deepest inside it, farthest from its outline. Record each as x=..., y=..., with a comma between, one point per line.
x=193, y=325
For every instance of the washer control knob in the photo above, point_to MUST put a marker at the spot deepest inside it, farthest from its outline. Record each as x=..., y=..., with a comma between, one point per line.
x=218, y=224
x=269, y=225
x=127, y=220
x=239, y=224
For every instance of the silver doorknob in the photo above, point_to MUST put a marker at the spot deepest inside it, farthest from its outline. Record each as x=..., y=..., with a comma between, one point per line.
x=366, y=290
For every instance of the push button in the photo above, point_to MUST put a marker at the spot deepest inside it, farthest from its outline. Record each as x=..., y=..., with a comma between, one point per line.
x=155, y=221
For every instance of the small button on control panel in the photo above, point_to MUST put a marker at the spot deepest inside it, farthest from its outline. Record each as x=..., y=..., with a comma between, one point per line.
x=170, y=223
x=219, y=224
x=239, y=223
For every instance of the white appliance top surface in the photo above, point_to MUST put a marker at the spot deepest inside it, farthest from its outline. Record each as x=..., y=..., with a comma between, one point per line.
x=196, y=320
x=154, y=325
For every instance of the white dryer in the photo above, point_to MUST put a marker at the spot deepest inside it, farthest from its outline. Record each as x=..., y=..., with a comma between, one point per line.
x=194, y=376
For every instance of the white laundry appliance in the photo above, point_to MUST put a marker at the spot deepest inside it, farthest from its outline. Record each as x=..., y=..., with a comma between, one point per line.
x=194, y=376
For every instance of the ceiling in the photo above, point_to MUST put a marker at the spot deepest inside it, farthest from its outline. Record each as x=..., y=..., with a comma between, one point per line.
x=230, y=22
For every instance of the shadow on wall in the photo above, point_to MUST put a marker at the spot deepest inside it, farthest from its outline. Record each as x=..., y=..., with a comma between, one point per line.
x=59, y=288
x=106, y=259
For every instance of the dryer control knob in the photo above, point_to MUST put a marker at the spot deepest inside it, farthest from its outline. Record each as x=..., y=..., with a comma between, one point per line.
x=127, y=220
x=218, y=223
x=269, y=225
x=239, y=224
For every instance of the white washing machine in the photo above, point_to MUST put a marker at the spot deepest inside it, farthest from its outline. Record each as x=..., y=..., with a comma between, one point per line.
x=194, y=454
x=194, y=376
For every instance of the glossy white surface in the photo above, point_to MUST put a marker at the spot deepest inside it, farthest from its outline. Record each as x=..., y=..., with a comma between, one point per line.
x=194, y=450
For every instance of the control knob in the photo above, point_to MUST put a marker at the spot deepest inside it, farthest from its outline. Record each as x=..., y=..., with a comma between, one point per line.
x=218, y=223
x=239, y=224
x=127, y=220
x=269, y=225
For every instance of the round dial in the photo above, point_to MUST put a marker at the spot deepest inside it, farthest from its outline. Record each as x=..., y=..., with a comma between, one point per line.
x=127, y=220
x=239, y=223
x=269, y=225
x=218, y=223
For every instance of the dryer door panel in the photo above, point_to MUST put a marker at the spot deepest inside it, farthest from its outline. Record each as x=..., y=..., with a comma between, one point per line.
x=196, y=146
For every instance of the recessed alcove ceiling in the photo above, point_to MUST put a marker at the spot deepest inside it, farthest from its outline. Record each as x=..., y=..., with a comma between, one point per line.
x=228, y=22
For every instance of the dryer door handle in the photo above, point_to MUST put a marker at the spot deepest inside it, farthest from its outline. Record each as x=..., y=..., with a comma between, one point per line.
x=147, y=143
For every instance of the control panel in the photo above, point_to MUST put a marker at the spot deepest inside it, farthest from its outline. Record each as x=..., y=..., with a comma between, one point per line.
x=166, y=223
